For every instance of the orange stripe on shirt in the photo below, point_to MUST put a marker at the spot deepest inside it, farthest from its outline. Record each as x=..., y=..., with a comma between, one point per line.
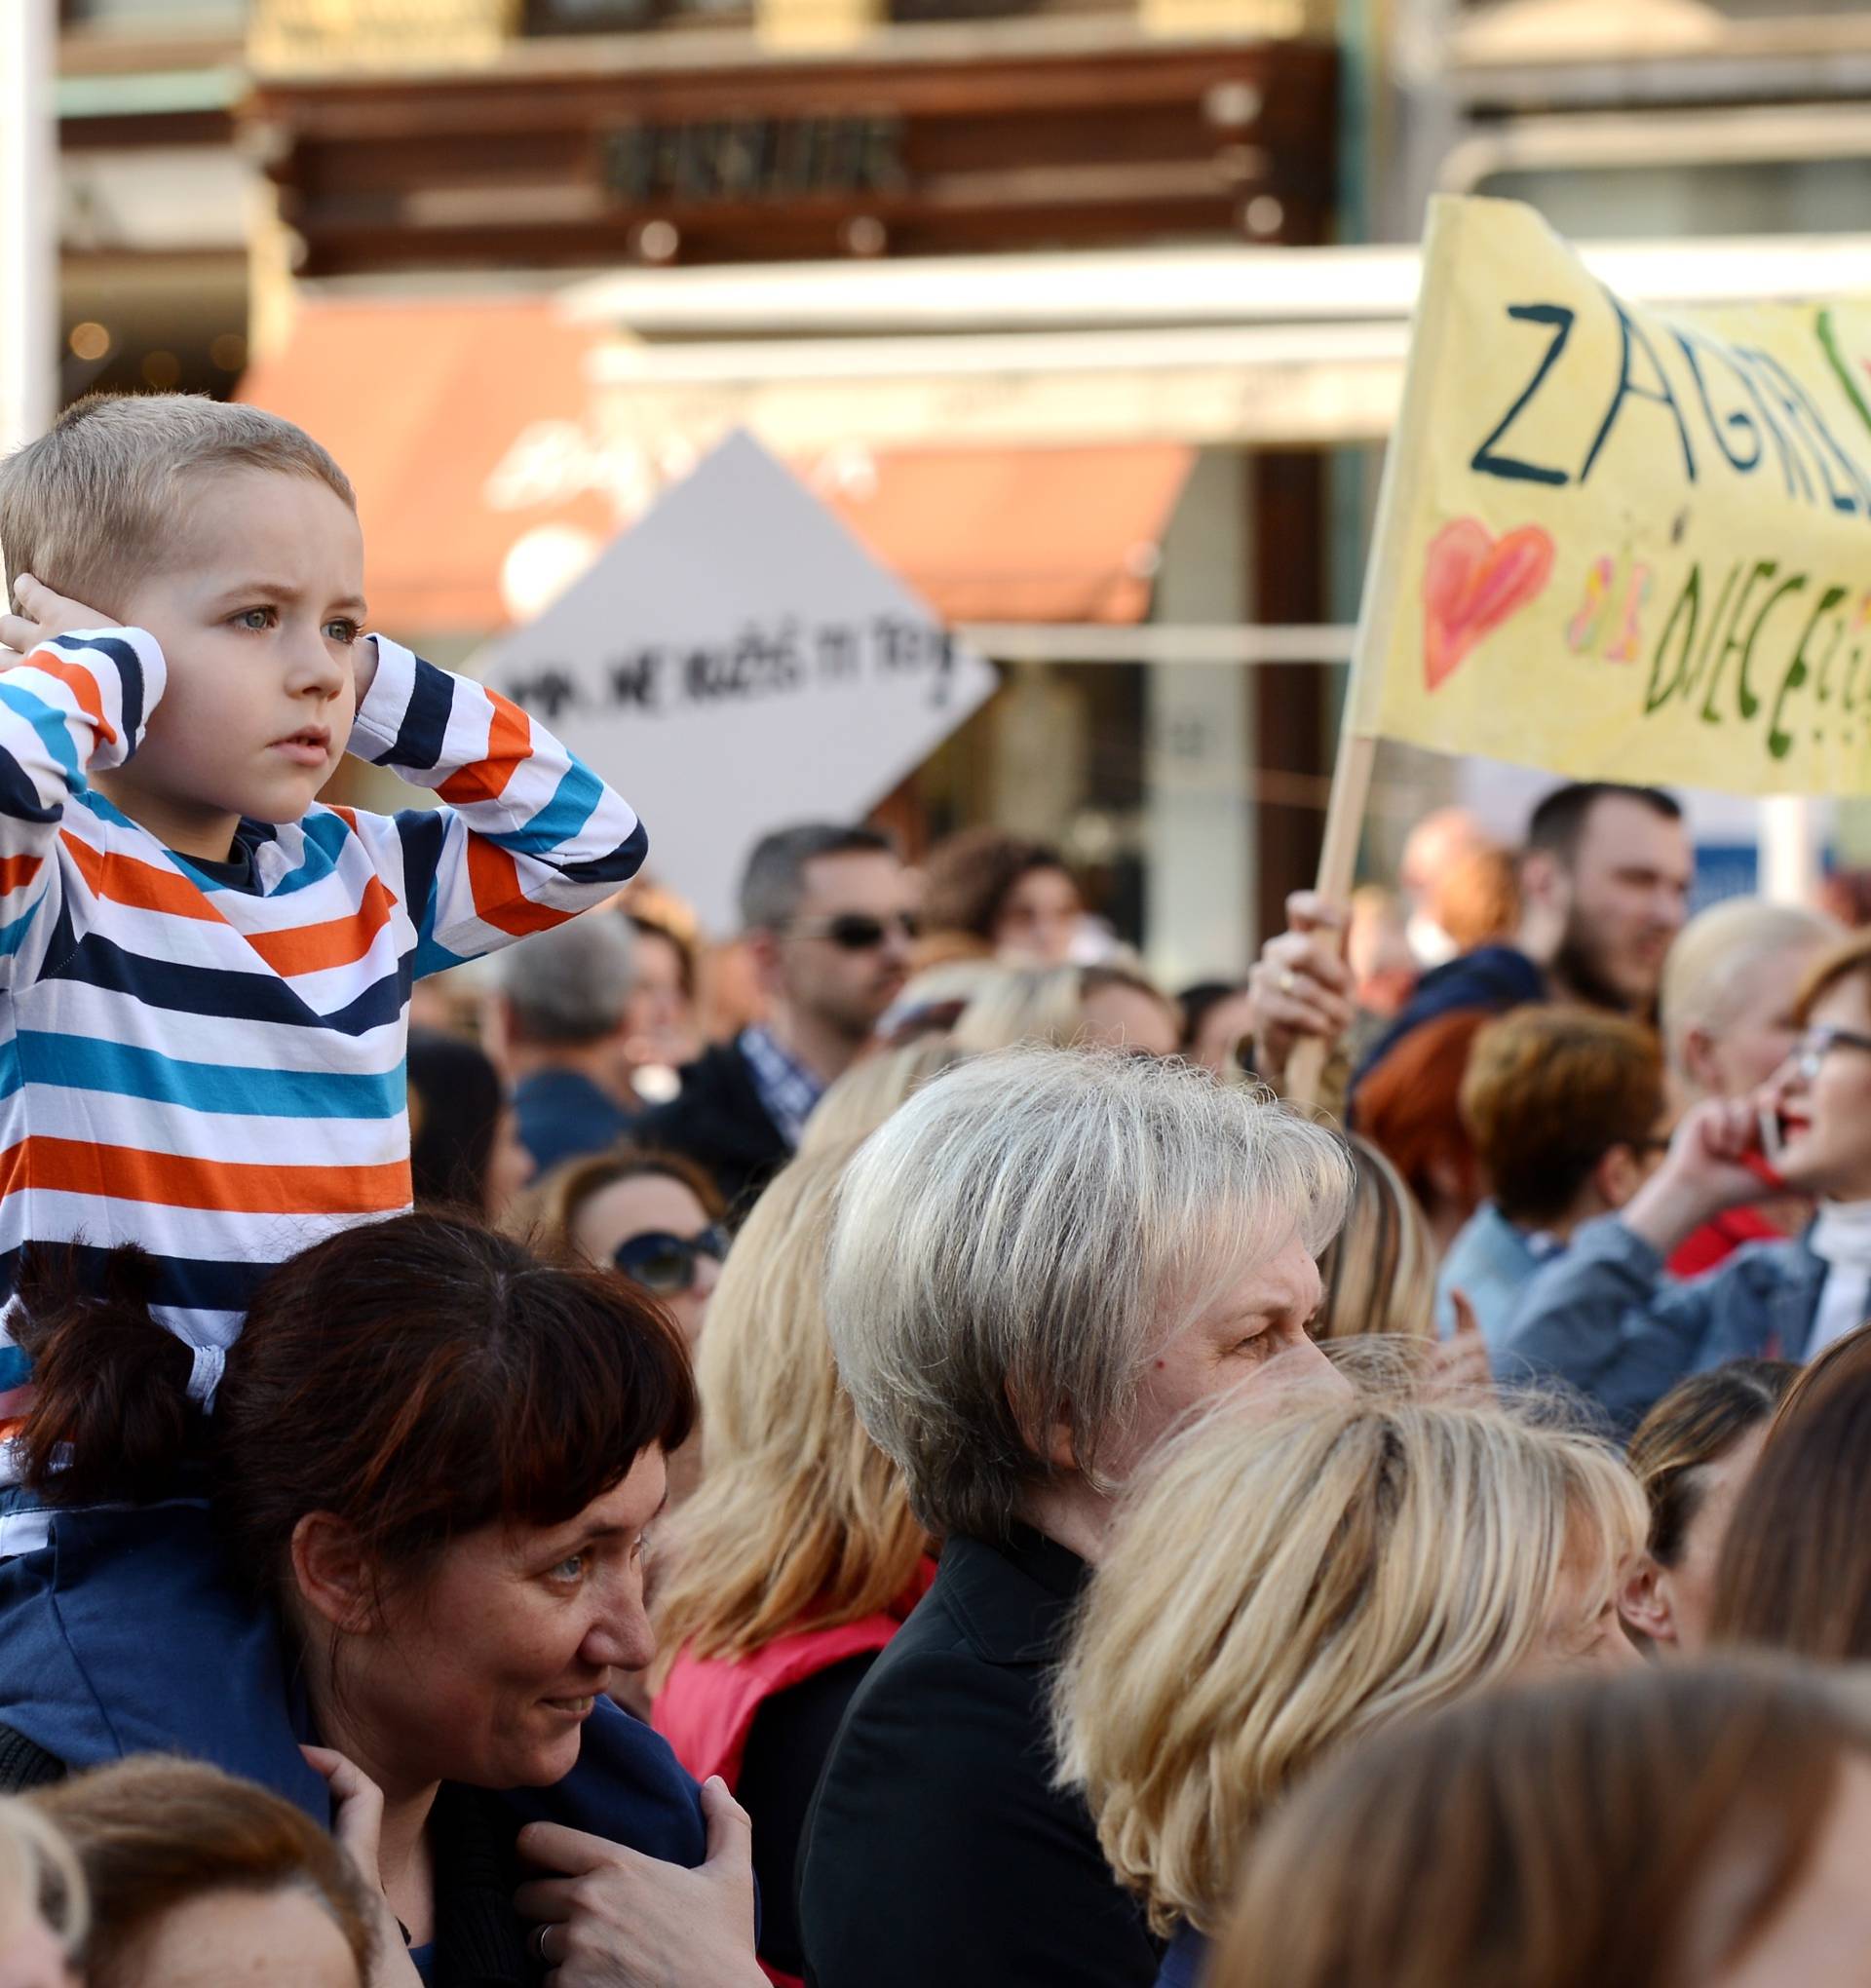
x=493, y=876
x=510, y=744
x=82, y=685
x=128, y=880
x=178, y=1181
x=337, y=942
x=16, y=870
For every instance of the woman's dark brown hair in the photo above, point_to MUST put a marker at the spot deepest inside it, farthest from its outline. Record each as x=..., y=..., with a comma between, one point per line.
x=967, y=877
x=418, y=1378
x=1630, y=1833
x=1795, y=1571
x=1695, y=1424
x=153, y=1833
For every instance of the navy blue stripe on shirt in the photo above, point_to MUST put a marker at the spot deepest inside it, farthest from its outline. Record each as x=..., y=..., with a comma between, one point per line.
x=425, y=724
x=100, y=962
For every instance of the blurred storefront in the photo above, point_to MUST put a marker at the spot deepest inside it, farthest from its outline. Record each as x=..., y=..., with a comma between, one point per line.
x=155, y=196
x=526, y=261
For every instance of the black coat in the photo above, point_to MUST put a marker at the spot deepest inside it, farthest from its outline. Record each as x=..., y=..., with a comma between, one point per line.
x=720, y=1124
x=939, y=1853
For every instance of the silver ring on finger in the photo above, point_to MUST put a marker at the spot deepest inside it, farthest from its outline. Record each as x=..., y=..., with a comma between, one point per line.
x=539, y=1943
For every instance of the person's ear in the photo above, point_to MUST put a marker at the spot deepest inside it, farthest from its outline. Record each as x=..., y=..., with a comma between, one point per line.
x=1452, y=1182
x=1048, y=1437
x=1617, y=1176
x=332, y=1573
x=1644, y=1604
x=1699, y=1062
x=763, y=955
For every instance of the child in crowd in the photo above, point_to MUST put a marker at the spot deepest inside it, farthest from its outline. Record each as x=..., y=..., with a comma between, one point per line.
x=204, y=971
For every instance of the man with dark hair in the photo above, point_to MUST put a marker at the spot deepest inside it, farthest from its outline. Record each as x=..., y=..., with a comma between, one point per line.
x=825, y=911
x=1604, y=885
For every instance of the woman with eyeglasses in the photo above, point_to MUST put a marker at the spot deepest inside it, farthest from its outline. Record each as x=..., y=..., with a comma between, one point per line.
x=1607, y=1319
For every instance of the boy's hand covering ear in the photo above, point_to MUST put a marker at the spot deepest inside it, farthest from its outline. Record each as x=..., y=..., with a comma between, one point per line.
x=363, y=665
x=44, y=614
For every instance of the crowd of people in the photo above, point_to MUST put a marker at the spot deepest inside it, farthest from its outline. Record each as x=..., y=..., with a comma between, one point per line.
x=900, y=1451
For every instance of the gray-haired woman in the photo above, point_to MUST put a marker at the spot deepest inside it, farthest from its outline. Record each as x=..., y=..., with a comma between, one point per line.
x=1044, y=1262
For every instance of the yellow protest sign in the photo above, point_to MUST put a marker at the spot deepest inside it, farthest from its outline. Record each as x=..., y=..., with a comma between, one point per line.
x=1618, y=542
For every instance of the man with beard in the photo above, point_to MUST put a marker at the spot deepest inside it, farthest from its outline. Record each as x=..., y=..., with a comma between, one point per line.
x=825, y=909
x=1604, y=879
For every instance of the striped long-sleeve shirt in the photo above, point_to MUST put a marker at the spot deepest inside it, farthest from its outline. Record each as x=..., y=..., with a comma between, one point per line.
x=216, y=1071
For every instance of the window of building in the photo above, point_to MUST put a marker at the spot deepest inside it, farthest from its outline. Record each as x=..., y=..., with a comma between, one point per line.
x=153, y=18
x=621, y=16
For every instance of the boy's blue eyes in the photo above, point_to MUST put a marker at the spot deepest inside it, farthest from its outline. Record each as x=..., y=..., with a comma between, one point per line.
x=259, y=618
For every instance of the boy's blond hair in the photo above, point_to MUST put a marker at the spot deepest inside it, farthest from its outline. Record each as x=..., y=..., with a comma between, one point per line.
x=90, y=507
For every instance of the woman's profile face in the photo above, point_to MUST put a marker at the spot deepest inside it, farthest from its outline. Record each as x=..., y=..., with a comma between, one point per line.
x=1038, y=919
x=653, y=1205
x=1827, y=1119
x=485, y=1671
x=286, y=1938
x=1584, y=1631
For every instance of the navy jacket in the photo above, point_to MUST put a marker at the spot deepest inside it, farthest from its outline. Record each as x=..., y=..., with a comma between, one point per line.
x=1495, y=976
x=124, y=1635
x=562, y=1115
x=719, y=1122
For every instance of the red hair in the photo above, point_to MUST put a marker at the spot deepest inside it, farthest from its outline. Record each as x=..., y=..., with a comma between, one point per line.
x=1409, y=1105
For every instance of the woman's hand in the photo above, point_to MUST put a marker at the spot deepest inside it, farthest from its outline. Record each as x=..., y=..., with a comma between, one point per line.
x=1458, y=1368
x=617, y=1919
x=43, y=614
x=1712, y=1163
x=1300, y=986
x=357, y=1821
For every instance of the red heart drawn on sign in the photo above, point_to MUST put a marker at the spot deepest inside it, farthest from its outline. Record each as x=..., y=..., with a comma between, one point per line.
x=1471, y=583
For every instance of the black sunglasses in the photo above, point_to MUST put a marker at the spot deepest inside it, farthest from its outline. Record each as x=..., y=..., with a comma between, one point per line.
x=857, y=930
x=666, y=1264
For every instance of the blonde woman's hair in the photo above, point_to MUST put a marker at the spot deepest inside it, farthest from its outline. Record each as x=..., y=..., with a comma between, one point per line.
x=1709, y=974
x=1280, y=1589
x=1023, y=1004
x=866, y=1094
x=1046, y=1004
x=97, y=503
x=1379, y=1271
x=40, y=1877
x=801, y=1520
x=1020, y=1237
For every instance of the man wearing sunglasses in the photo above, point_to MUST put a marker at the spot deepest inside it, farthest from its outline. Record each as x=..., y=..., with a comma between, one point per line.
x=826, y=908
x=1608, y=1319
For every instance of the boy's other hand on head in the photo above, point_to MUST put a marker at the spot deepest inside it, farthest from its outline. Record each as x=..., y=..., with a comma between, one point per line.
x=43, y=614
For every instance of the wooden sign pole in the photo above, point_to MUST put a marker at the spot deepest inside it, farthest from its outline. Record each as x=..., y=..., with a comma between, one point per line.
x=1337, y=872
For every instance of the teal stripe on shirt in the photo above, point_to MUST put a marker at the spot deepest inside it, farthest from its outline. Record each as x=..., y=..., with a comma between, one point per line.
x=77, y=1063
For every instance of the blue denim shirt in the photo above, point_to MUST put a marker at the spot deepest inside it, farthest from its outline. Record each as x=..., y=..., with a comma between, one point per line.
x=1491, y=1262
x=1607, y=1319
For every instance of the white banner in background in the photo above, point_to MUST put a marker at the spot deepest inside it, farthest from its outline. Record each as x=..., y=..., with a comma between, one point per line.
x=736, y=661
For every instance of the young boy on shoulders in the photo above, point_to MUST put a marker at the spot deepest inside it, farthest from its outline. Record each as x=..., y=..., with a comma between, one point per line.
x=205, y=971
